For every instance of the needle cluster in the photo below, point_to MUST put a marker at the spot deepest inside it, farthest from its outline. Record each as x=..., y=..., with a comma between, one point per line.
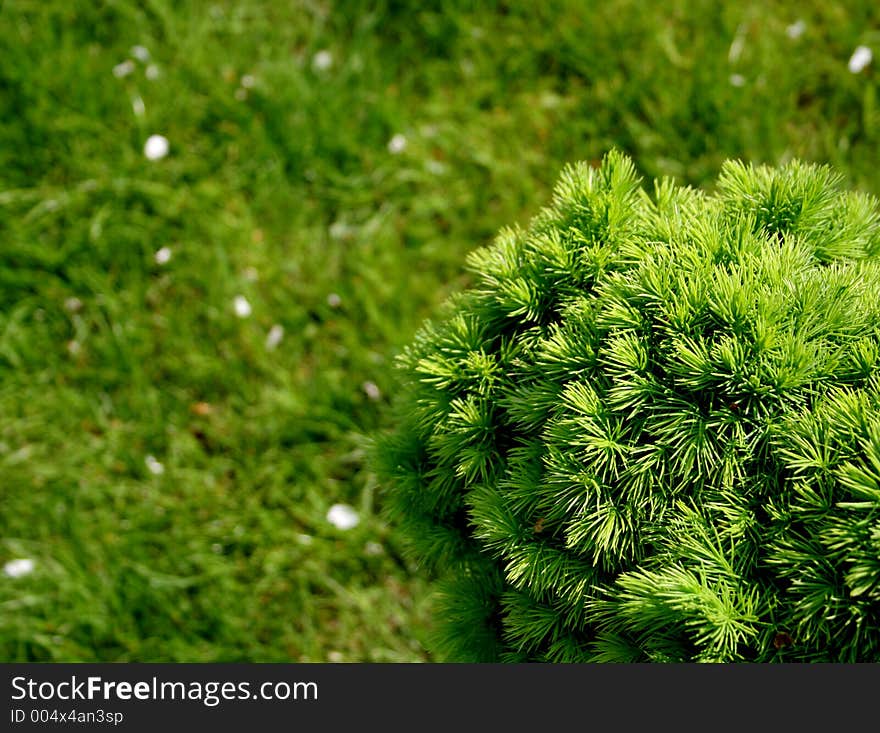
x=650, y=430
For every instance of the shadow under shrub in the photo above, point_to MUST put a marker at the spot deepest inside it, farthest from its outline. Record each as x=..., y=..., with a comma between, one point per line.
x=651, y=430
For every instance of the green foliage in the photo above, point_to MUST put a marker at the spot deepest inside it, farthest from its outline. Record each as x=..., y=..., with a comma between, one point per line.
x=279, y=186
x=650, y=431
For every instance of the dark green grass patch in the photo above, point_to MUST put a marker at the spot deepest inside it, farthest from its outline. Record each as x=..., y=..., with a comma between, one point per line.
x=280, y=187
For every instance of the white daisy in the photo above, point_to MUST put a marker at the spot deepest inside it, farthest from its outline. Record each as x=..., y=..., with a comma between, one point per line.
x=736, y=47
x=18, y=568
x=397, y=144
x=796, y=29
x=435, y=167
x=860, y=59
x=123, y=69
x=373, y=549
x=162, y=255
x=242, y=306
x=340, y=230
x=73, y=305
x=273, y=338
x=156, y=147
x=342, y=516
x=153, y=466
x=140, y=53
x=322, y=60
x=371, y=390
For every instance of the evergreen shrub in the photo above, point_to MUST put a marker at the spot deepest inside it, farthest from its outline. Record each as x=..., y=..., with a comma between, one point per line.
x=650, y=430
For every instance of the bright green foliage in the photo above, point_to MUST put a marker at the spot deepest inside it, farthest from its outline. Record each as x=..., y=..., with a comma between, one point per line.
x=651, y=430
x=280, y=186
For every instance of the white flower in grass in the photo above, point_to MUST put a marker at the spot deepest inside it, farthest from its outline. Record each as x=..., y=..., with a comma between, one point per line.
x=18, y=568
x=322, y=60
x=796, y=29
x=248, y=81
x=340, y=230
x=736, y=47
x=343, y=516
x=153, y=466
x=371, y=390
x=163, y=255
x=397, y=144
x=241, y=306
x=152, y=72
x=123, y=69
x=860, y=59
x=73, y=305
x=435, y=167
x=273, y=338
x=333, y=300
x=737, y=80
x=156, y=147
x=140, y=53
x=373, y=549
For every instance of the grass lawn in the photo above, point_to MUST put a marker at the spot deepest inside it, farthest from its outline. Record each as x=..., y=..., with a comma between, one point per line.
x=195, y=349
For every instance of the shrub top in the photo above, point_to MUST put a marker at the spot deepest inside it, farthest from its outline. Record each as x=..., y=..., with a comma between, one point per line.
x=651, y=429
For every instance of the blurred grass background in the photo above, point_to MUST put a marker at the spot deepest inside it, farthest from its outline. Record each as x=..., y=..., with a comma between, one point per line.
x=168, y=470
